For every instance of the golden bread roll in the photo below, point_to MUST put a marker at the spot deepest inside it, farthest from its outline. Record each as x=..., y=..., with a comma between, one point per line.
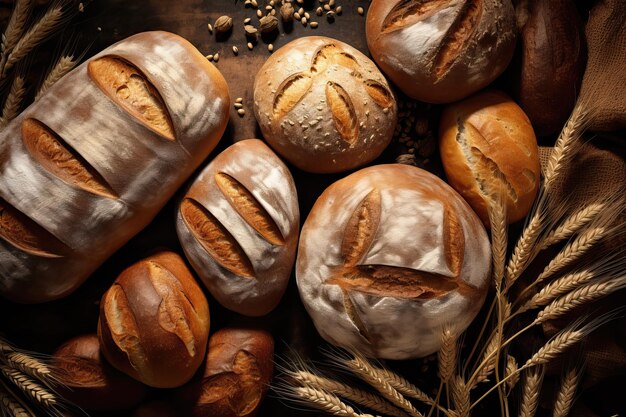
x=154, y=322
x=90, y=164
x=323, y=105
x=387, y=257
x=488, y=146
x=238, y=224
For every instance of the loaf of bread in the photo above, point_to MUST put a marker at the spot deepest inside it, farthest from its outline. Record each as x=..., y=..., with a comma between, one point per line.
x=387, y=257
x=236, y=375
x=238, y=225
x=154, y=322
x=441, y=51
x=91, y=163
x=323, y=105
x=488, y=149
x=89, y=381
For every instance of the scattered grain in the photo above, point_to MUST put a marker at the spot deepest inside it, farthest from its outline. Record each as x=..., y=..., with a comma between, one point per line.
x=360, y=11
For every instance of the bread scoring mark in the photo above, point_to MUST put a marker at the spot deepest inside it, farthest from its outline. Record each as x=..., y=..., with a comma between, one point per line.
x=531, y=178
x=127, y=86
x=246, y=366
x=218, y=388
x=457, y=37
x=172, y=314
x=484, y=163
x=215, y=239
x=56, y=156
x=291, y=92
x=391, y=281
x=249, y=208
x=330, y=54
x=453, y=240
x=354, y=316
x=123, y=327
x=26, y=235
x=409, y=12
x=361, y=229
x=381, y=95
x=80, y=372
x=344, y=114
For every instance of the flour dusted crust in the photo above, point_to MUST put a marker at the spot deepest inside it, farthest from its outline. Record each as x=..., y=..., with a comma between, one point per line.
x=238, y=225
x=98, y=155
x=387, y=256
x=323, y=105
x=440, y=51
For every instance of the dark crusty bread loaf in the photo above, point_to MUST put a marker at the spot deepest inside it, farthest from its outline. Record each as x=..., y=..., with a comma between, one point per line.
x=236, y=375
x=94, y=159
x=154, y=322
x=238, y=225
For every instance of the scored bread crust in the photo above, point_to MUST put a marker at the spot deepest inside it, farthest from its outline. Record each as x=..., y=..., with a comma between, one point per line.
x=154, y=322
x=440, y=51
x=488, y=145
x=89, y=165
x=323, y=105
x=387, y=256
x=238, y=224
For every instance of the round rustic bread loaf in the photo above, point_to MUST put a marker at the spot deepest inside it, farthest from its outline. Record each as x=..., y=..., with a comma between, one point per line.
x=488, y=147
x=387, y=257
x=236, y=375
x=91, y=383
x=154, y=322
x=89, y=164
x=440, y=51
x=323, y=105
x=238, y=224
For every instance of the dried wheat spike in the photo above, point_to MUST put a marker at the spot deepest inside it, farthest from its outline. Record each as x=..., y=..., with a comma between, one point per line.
x=572, y=224
x=555, y=346
x=30, y=388
x=499, y=229
x=461, y=396
x=447, y=354
x=524, y=247
x=558, y=287
x=13, y=102
x=64, y=65
x=15, y=28
x=530, y=392
x=403, y=386
x=488, y=363
x=327, y=402
x=567, y=391
x=12, y=407
x=29, y=365
x=511, y=372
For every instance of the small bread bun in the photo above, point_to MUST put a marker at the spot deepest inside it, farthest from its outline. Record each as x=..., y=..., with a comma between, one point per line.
x=387, y=257
x=154, y=322
x=323, y=105
x=238, y=225
x=440, y=51
x=236, y=376
x=488, y=146
x=91, y=383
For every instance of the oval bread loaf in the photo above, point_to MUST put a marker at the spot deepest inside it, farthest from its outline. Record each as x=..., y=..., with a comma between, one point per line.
x=236, y=375
x=387, y=257
x=238, y=225
x=323, y=105
x=154, y=322
x=91, y=163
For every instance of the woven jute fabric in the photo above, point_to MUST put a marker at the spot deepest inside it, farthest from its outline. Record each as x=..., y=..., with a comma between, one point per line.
x=603, y=88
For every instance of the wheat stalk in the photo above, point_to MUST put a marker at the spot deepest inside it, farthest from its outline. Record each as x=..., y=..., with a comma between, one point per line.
x=64, y=65
x=29, y=365
x=13, y=102
x=579, y=297
x=14, y=29
x=555, y=346
x=572, y=224
x=326, y=401
x=403, y=386
x=360, y=397
x=447, y=354
x=40, y=30
x=29, y=387
x=558, y=287
x=530, y=393
x=565, y=397
x=461, y=396
x=511, y=372
x=364, y=370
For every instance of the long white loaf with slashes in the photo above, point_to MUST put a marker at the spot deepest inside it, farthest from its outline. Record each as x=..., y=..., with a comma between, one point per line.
x=91, y=163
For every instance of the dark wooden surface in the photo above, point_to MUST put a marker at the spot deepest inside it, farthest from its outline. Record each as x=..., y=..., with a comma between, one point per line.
x=43, y=327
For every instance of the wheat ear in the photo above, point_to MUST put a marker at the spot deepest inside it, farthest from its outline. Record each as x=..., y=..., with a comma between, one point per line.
x=40, y=30
x=12, y=407
x=14, y=29
x=403, y=386
x=29, y=365
x=461, y=397
x=511, y=372
x=567, y=392
x=580, y=297
x=326, y=401
x=488, y=363
x=523, y=249
x=572, y=224
x=530, y=392
x=447, y=355
x=364, y=370
x=64, y=65
x=363, y=398
x=30, y=388
x=499, y=228
x=557, y=288
x=13, y=102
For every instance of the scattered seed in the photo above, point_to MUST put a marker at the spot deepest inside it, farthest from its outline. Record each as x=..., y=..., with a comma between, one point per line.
x=272, y=3
x=250, y=30
x=268, y=7
x=241, y=112
x=303, y=21
x=300, y=1
x=209, y=57
x=210, y=28
x=273, y=12
x=247, y=20
x=270, y=47
x=296, y=16
x=246, y=3
x=339, y=9
x=360, y=10
x=223, y=23
x=314, y=25
x=259, y=14
x=326, y=7
x=254, y=3
x=307, y=15
x=300, y=11
x=238, y=105
x=319, y=11
x=235, y=50
x=250, y=46
x=331, y=3
x=239, y=100
x=330, y=16
x=216, y=57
